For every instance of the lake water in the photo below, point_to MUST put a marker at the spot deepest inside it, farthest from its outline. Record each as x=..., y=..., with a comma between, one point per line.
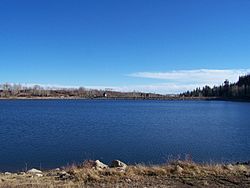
x=53, y=133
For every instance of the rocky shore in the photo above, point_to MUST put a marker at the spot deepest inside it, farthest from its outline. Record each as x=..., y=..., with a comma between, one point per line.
x=118, y=174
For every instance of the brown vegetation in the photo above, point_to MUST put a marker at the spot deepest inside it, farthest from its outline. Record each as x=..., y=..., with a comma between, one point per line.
x=174, y=174
x=14, y=91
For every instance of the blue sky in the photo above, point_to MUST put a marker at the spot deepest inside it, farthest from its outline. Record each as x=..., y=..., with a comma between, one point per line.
x=161, y=46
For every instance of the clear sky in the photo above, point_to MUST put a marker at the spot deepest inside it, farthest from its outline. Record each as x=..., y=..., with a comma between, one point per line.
x=164, y=46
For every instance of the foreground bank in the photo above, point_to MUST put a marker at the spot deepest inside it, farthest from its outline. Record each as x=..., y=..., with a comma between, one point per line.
x=118, y=174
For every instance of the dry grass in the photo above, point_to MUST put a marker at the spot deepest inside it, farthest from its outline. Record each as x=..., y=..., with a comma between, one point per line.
x=173, y=174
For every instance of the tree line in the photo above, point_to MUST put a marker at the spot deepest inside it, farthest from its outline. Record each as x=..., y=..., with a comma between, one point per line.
x=238, y=90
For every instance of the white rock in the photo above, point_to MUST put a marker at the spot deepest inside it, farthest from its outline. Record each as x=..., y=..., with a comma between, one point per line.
x=99, y=165
x=34, y=171
x=117, y=163
x=230, y=167
x=178, y=169
x=128, y=180
x=39, y=175
x=7, y=173
x=62, y=173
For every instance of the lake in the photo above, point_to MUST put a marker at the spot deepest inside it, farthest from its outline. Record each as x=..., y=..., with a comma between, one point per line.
x=54, y=133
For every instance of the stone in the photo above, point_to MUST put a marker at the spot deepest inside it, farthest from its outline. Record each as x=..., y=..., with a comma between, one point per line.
x=39, y=175
x=7, y=173
x=64, y=175
x=128, y=180
x=99, y=165
x=178, y=169
x=230, y=167
x=117, y=163
x=34, y=171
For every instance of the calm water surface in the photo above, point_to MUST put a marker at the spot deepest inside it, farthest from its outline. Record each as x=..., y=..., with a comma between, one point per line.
x=52, y=133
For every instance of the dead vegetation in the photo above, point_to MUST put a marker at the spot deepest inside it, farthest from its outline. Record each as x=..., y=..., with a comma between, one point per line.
x=173, y=174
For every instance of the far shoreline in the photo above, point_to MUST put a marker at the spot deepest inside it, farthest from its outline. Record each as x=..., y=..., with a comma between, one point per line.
x=131, y=98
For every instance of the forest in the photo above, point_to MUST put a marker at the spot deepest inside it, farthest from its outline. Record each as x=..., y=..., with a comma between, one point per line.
x=238, y=90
